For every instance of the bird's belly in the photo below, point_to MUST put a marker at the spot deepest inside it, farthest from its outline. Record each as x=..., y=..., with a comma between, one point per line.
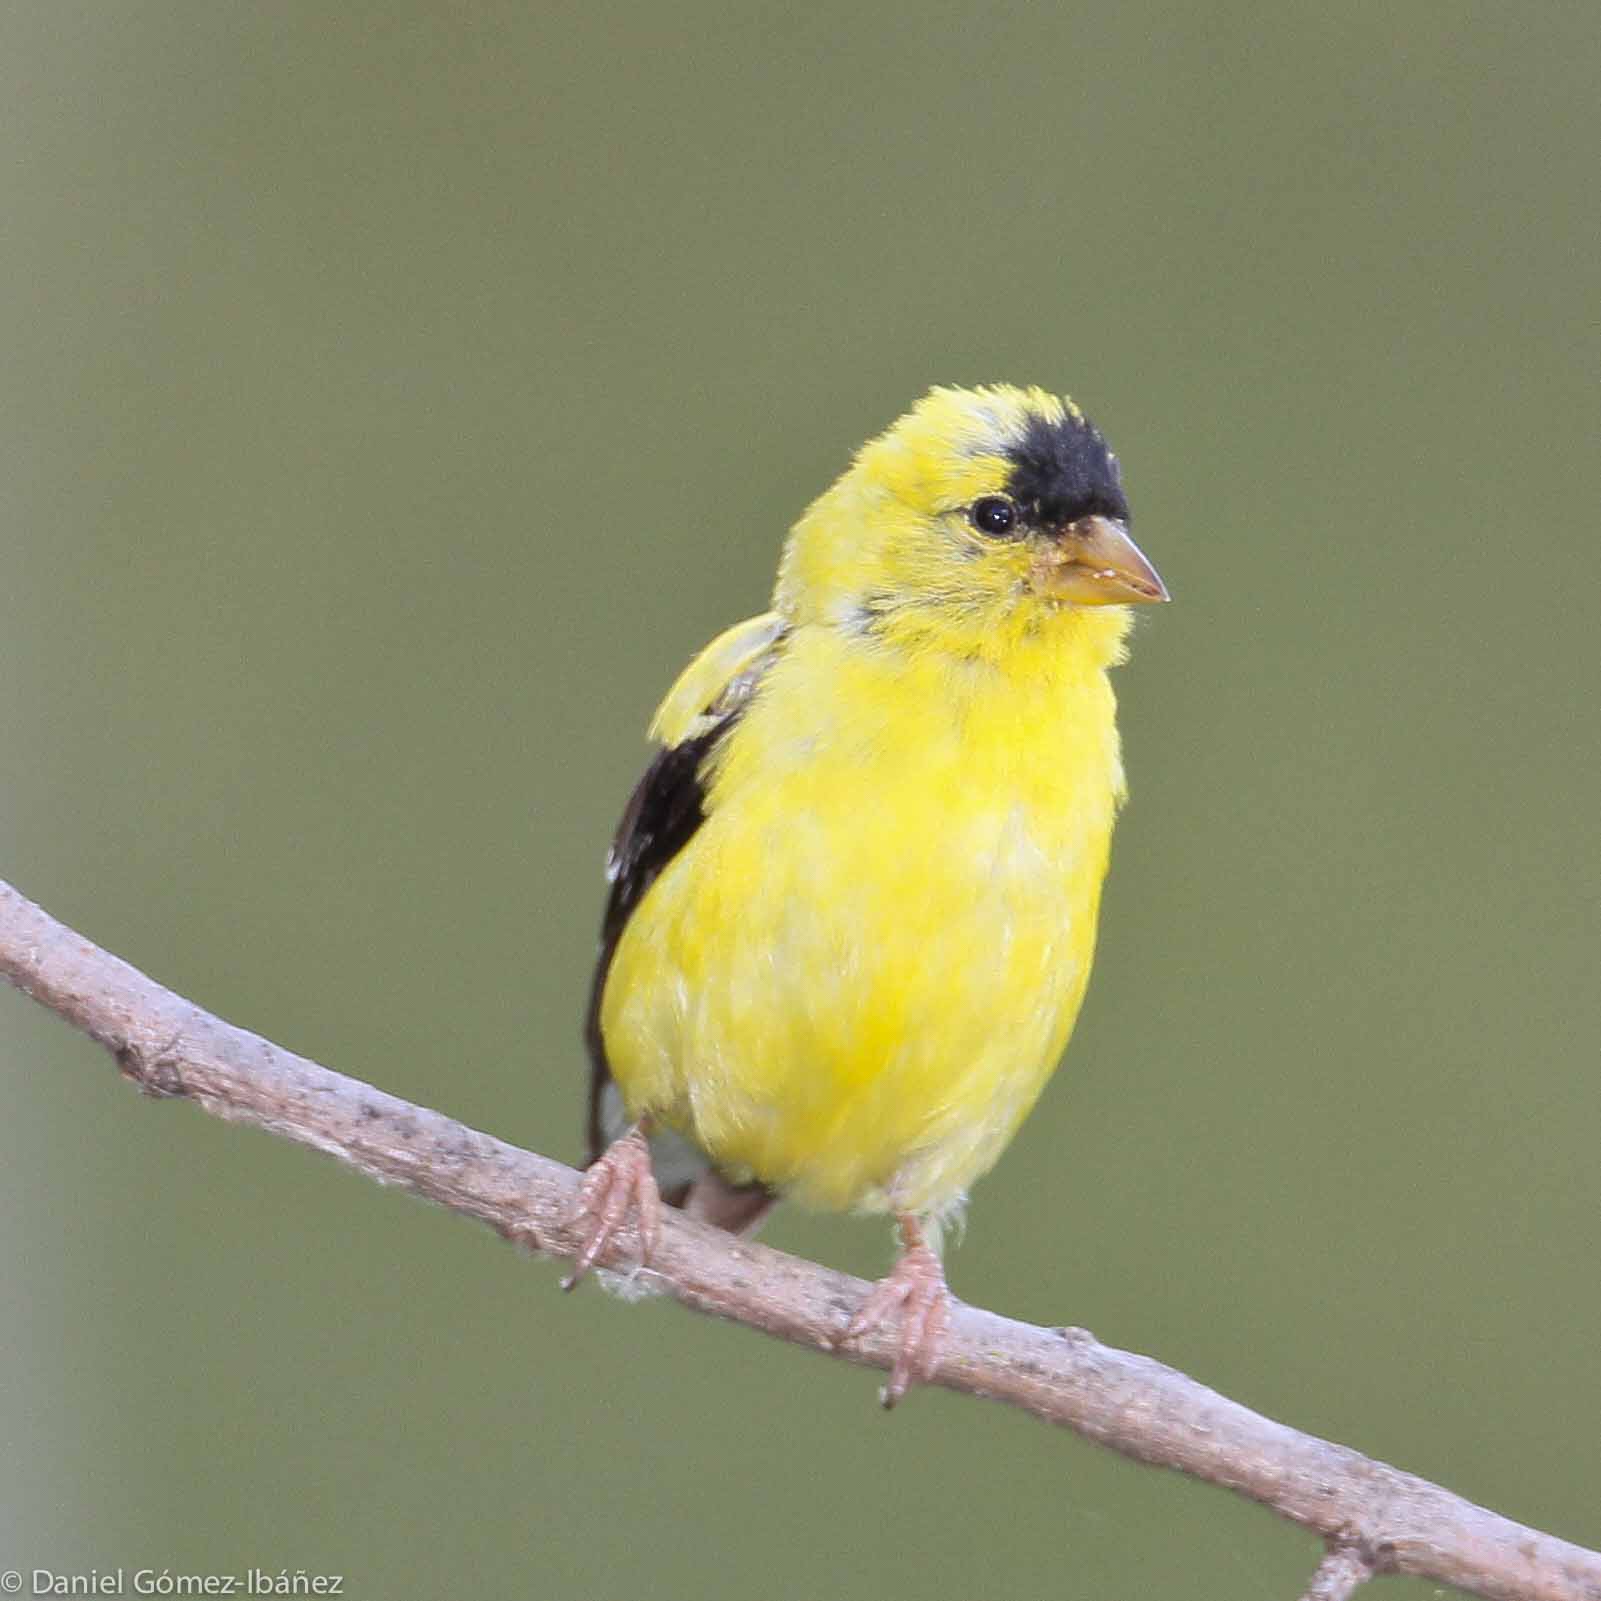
x=854, y=1004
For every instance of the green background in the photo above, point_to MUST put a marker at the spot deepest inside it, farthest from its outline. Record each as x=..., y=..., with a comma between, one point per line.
x=396, y=395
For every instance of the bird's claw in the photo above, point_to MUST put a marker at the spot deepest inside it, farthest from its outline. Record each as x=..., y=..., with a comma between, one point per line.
x=916, y=1289
x=620, y=1181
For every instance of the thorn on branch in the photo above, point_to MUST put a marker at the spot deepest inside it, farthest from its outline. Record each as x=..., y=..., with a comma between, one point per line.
x=1076, y=1336
x=1343, y=1569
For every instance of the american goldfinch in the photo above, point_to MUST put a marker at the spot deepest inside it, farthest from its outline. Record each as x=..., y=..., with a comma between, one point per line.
x=853, y=900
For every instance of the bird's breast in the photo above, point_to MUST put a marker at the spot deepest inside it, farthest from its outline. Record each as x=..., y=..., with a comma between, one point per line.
x=855, y=979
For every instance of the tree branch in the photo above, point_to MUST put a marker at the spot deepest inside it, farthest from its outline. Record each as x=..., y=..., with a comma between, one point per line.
x=1375, y=1518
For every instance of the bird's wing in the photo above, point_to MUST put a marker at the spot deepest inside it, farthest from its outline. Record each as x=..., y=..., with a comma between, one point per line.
x=667, y=806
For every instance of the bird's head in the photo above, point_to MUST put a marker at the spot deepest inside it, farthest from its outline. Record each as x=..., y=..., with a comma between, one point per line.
x=978, y=516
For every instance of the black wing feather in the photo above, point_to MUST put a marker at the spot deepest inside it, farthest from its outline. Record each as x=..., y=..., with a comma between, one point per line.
x=664, y=811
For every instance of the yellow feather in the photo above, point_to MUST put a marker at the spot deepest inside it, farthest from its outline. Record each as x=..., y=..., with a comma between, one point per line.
x=718, y=668
x=854, y=980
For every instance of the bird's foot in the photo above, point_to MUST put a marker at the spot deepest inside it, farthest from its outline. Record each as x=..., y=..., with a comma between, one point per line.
x=619, y=1181
x=916, y=1289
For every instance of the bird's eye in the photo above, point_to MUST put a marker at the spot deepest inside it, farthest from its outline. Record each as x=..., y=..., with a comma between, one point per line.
x=993, y=515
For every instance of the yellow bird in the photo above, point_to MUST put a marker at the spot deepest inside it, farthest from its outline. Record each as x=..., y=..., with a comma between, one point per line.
x=853, y=900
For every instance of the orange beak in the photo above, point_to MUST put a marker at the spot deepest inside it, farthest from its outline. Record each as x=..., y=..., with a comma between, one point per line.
x=1095, y=563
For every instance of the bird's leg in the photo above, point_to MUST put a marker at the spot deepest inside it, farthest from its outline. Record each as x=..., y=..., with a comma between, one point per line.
x=620, y=1180
x=915, y=1288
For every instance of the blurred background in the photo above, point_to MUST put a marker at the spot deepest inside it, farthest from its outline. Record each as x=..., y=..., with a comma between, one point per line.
x=396, y=396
